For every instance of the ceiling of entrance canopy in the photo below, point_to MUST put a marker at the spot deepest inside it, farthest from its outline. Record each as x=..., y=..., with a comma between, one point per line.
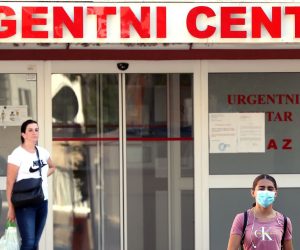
x=144, y=46
x=90, y=46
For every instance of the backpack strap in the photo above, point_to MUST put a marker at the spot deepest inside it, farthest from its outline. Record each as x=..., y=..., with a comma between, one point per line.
x=244, y=227
x=284, y=230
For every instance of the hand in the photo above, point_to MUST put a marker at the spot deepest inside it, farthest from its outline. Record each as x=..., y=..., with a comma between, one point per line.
x=11, y=216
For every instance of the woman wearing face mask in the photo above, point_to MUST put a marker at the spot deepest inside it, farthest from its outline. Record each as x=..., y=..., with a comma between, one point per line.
x=265, y=226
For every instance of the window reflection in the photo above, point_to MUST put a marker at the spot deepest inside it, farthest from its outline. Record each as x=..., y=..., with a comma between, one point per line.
x=159, y=154
x=85, y=149
x=15, y=90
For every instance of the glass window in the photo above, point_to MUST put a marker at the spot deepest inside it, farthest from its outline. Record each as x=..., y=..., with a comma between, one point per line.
x=275, y=94
x=158, y=161
x=86, y=200
x=187, y=218
x=16, y=90
x=159, y=127
x=3, y=211
x=17, y=103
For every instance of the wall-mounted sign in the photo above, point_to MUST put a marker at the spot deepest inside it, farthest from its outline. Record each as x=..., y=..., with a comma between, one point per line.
x=13, y=115
x=144, y=22
x=237, y=132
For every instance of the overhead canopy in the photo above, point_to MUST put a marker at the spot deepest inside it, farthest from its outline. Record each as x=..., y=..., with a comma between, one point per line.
x=144, y=46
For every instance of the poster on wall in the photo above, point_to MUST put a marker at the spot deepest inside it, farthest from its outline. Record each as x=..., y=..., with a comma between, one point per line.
x=237, y=132
x=13, y=115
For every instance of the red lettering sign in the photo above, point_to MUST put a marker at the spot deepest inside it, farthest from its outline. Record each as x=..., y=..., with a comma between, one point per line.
x=29, y=21
x=272, y=145
x=147, y=23
x=60, y=18
x=101, y=13
x=128, y=19
x=296, y=12
x=191, y=22
x=287, y=144
x=161, y=22
x=9, y=25
x=259, y=19
x=228, y=21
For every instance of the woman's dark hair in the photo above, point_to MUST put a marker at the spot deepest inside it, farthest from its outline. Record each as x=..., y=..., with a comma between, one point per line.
x=261, y=177
x=24, y=126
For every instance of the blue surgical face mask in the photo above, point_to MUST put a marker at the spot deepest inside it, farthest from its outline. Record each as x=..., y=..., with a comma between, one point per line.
x=265, y=198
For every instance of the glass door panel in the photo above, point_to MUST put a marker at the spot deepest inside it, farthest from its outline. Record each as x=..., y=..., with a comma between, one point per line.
x=159, y=156
x=86, y=200
x=17, y=103
x=144, y=159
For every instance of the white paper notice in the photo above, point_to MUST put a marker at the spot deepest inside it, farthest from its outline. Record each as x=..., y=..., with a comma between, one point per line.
x=13, y=115
x=237, y=132
x=251, y=136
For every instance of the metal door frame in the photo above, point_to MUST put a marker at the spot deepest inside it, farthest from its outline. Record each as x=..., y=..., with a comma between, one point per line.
x=134, y=67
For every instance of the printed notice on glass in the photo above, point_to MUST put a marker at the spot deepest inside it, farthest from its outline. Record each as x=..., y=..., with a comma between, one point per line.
x=13, y=115
x=237, y=132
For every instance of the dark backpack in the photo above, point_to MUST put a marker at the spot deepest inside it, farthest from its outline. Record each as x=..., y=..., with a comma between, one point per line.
x=245, y=224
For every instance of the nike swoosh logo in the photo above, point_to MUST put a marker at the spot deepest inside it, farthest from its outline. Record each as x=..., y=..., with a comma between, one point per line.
x=32, y=170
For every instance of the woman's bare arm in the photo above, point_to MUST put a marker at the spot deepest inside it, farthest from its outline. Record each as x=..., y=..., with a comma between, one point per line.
x=12, y=172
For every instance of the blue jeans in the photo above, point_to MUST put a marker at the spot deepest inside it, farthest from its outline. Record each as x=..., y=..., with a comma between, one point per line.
x=31, y=221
